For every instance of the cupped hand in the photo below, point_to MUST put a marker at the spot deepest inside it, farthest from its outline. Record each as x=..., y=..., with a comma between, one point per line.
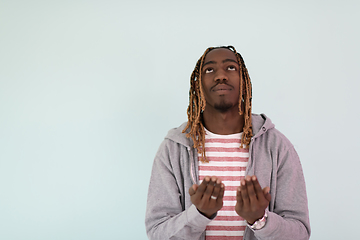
x=208, y=196
x=251, y=200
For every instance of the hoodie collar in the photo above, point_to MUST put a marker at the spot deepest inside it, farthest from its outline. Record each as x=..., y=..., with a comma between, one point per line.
x=260, y=124
x=178, y=136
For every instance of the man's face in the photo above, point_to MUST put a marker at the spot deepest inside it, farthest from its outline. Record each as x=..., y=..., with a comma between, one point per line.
x=221, y=80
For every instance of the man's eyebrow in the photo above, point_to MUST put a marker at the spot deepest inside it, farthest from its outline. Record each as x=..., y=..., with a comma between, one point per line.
x=224, y=61
x=209, y=62
x=230, y=60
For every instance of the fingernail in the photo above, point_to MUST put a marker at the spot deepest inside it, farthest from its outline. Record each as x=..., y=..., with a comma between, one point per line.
x=254, y=178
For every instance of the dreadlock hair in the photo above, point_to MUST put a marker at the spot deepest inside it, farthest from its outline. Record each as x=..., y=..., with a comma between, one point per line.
x=197, y=104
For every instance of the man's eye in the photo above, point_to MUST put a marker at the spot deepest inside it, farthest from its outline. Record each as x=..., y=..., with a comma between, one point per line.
x=209, y=70
x=231, y=68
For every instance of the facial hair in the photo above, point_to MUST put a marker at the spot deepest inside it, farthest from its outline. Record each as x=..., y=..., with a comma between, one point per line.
x=223, y=106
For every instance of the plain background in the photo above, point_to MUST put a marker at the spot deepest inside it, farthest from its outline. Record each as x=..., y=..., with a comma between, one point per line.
x=88, y=90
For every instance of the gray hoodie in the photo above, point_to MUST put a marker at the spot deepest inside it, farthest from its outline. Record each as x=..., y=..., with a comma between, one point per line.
x=273, y=159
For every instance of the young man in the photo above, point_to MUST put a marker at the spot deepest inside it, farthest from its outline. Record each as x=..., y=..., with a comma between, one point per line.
x=208, y=174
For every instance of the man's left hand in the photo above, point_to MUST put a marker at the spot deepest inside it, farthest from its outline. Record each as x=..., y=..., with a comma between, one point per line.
x=251, y=200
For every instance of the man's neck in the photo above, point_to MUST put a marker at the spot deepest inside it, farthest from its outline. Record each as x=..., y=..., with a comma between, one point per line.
x=223, y=123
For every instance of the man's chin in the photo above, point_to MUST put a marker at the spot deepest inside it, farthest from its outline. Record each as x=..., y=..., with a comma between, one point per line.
x=223, y=107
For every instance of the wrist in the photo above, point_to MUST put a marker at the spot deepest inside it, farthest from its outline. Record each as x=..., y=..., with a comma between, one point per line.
x=209, y=216
x=258, y=224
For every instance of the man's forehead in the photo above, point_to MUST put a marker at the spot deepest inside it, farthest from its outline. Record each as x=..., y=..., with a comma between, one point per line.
x=220, y=54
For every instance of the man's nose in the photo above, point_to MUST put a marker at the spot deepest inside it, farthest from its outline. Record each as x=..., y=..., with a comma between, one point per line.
x=220, y=76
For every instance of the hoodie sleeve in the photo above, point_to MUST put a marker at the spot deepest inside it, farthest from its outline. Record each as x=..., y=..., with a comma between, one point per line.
x=166, y=216
x=288, y=217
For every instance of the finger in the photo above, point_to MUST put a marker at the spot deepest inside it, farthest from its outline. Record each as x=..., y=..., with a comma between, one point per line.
x=239, y=198
x=216, y=190
x=259, y=192
x=221, y=194
x=267, y=194
x=210, y=188
x=251, y=189
x=203, y=185
x=222, y=191
x=192, y=189
x=244, y=193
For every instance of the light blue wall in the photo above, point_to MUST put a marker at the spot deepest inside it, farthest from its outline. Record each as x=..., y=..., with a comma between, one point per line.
x=88, y=89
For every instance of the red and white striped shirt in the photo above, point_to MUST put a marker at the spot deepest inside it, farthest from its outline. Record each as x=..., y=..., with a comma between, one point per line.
x=228, y=162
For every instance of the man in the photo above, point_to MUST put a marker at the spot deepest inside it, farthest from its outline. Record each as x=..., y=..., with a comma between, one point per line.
x=208, y=174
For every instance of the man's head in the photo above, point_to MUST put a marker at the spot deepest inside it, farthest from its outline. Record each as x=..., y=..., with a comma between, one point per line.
x=220, y=81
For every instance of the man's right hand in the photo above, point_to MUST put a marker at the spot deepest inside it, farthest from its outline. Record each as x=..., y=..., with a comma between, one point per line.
x=208, y=196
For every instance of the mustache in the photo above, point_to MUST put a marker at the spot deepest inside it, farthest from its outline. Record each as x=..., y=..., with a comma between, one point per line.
x=221, y=83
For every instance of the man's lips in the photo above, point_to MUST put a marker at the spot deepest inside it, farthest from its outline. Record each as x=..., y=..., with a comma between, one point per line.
x=222, y=87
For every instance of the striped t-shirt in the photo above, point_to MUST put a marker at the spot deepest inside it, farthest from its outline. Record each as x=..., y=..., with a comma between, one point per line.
x=228, y=162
